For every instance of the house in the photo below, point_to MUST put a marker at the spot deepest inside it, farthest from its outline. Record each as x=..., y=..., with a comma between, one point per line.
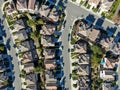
x=27, y=57
x=107, y=86
x=30, y=82
x=21, y=35
x=3, y=77
x=31, y=4
x=106, y=42
x=84, y=59
x=47, y=41
x=29, y=67
x=109, y=63
x=115, y=48
x=83, y=69
x=19, y=24
x=24, y=46
x=54, y=16
x=44, y=10
x=50, y=64
x=48, y=29
x=106, y=5
x=51, y=82
x=107, y=75
x=2, y=68
x=80, y=47
x=21, y=4
x=49, y=53
x=93, y=3
x=83, y=83
x=91, y=34
x=10, y=9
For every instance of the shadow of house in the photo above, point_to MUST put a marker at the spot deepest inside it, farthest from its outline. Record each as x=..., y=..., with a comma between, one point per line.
x=117, y=38
x=90, y=19
x=99, y=23
x=111, y=31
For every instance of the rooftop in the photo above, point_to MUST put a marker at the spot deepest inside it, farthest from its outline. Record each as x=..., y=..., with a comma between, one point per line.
x=31, y=81
x=29, y=67
x=27, y=57
x=50, y=64
x=47, y=41
x=49, y=53
x=107, y=75
x=48, y=29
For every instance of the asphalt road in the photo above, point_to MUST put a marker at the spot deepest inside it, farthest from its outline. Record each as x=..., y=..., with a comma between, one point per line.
x=12, y=52
x=74, y=12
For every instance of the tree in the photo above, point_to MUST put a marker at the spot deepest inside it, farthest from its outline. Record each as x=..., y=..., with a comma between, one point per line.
x=40, y=22
x=75, y=85
x=33, y=36
x=32, y=23
x=38, y=70
x=2, y=48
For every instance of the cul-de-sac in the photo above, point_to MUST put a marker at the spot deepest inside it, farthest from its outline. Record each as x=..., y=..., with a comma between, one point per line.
x=59, y=44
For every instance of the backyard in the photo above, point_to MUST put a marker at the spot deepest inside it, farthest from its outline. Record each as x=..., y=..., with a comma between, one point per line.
x=97, y=54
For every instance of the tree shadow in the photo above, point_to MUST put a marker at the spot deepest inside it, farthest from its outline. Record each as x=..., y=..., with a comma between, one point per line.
x=8, y=46
x=111, y=31
x=99, y=23
x=90, y=19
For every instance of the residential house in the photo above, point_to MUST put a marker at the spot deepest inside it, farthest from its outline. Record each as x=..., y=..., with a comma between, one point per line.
x=109, y=63
x=54, y=16
x=10, y=9
x=83, y=69
x=21, y=5
x=44, y=10
x=2, y=66
x=31, y=5
x=50, y=64
x=80, y=47
x=30, y=80
x=29, y=67
x=106, y=42
x=51, y=82
x=27, y=57
x=91, y=34
x=3, y=78
x=107, y=86
x=48, y=29
x=115, y=48
x=24, y=46
x=21, y=35
x=47, y=41
x=107, y=75
x=93, y=3
x=84, y=59
x=19, y=24
x=106, y=5
x=49, y=53
x=83, y=83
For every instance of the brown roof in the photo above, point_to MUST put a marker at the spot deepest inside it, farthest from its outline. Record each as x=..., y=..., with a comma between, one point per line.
x=96, y=2
x=49, y=53
x=48, y=29
x=27, y=57
x=31, y=4
x=29, y=67
x=50, y=64
x=47, y=41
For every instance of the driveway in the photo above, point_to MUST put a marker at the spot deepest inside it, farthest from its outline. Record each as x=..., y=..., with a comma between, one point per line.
x=11, y=52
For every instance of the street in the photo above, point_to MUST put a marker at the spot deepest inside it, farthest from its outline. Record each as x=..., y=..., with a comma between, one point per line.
x=12, y=52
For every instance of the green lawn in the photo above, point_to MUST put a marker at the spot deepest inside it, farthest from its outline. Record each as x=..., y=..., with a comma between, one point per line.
x=113, y=9
x=97, y=55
